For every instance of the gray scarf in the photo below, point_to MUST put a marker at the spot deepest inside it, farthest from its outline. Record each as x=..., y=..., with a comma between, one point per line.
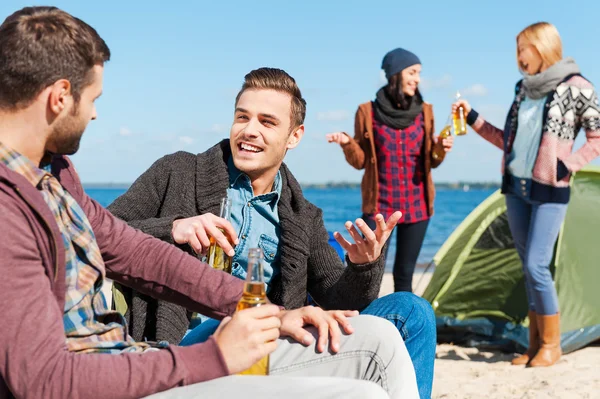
x=539, y=85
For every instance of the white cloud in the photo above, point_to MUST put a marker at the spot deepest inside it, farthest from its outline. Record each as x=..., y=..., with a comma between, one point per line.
x=437, y=83
x=333, y=116
x=124, y=131
x=476, y=90
x=186, y=140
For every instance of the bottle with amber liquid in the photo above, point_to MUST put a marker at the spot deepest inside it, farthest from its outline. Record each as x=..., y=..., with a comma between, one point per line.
x=216, y=257
x=255, y=295
x=459, y=119
x=438, y=152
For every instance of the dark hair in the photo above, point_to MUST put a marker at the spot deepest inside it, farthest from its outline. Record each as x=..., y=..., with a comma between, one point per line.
x=394, y=91
x=40, y=45
x=278, y=80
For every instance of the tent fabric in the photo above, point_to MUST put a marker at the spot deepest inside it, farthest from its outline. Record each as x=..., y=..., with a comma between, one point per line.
x=478, y=288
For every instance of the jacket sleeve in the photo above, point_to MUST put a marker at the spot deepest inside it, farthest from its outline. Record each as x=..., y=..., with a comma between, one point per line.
x=354, y=149
x=334, y=286
x=34, y=360
x=154, y=267
x=485, y=129
x=588, y=115
x=159, y=269
x=140, y=205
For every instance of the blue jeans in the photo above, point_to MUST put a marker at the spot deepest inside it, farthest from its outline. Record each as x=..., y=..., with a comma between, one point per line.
x=535, y=227
x=410, y=314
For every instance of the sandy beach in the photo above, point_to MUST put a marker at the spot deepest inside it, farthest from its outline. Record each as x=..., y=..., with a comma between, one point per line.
x=468, y=373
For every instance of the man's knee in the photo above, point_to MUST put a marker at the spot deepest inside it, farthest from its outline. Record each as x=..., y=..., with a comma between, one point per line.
x=378, y=336
x=375, y=328
x=416, y=311
x=422, y=318
x=388, y=351
x=425, y=311
x=367, y=389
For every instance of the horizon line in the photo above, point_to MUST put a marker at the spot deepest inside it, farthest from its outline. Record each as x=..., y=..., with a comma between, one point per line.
x=331, y=183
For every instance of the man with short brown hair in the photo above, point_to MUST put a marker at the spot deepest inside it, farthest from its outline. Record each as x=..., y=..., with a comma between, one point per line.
x=177, y=199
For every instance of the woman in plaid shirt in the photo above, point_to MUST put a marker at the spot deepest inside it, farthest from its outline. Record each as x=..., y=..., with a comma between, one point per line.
x=393, y=142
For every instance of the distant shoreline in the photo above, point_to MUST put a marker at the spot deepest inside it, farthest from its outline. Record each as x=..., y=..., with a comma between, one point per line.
x=337, y=185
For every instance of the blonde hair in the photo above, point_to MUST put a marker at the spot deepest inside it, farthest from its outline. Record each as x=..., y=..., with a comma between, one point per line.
x=544, y=37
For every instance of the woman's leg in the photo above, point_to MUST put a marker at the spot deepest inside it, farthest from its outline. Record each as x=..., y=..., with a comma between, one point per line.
x=519, y=212
x=545, y=225
x=519, y=218
x=409, y=239
x=546, y=220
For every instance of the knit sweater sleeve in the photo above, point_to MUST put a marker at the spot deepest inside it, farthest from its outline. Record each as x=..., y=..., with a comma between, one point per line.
x=334, y=286
x=588, y=115
x=485, y=129
x=140, y=205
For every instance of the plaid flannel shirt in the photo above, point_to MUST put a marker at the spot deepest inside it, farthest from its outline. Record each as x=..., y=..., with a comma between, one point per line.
x=401, y=171
x=89, y=325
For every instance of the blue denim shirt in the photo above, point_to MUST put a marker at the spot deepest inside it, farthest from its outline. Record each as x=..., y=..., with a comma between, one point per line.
x=256, y=220
x=527, y=141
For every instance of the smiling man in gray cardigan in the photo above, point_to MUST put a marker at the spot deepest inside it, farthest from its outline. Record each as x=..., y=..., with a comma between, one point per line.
x=177, y=199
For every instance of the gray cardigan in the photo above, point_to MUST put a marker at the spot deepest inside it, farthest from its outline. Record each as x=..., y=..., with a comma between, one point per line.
x=183, y=185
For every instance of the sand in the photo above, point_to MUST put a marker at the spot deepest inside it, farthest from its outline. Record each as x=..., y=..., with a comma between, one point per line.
x=468, y=373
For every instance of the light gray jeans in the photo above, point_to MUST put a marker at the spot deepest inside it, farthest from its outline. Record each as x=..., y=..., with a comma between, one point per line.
x=371, y=363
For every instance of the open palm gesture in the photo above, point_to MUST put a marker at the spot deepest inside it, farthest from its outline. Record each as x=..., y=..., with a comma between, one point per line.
x=367, y=247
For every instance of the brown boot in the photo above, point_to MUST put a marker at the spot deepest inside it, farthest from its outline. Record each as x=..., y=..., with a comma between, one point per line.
x=534, y=342
x=549, y=352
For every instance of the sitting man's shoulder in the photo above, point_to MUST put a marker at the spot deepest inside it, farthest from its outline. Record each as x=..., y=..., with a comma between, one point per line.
x=299, y=201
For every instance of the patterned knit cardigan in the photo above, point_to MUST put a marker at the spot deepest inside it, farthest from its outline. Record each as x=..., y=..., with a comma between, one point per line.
x=572, y=106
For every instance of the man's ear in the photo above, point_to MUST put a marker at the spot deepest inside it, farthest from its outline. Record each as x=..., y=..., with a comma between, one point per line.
x=59, y=96
x=295, y=137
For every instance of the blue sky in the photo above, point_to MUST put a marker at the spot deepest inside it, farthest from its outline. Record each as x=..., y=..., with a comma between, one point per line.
x=176, y=68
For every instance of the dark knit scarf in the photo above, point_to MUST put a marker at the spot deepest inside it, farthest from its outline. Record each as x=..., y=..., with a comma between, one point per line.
x=388, y=113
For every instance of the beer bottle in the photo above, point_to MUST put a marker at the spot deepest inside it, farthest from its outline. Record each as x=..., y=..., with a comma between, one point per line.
x=438, y=152
x=216, y=257
x=255, y=295
x=459, y=120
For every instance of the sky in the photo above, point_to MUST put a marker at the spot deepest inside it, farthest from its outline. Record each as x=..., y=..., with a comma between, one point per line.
x=177, y=66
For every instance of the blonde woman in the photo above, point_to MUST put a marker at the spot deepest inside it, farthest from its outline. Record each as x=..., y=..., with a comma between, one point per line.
x=552, y=103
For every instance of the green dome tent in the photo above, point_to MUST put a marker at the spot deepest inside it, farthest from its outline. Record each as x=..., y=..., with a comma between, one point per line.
x=478, y=290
